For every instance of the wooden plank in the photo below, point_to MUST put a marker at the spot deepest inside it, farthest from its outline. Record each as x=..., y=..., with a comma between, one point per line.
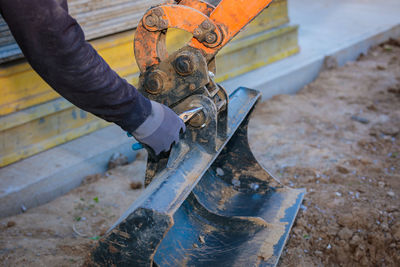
x=99, y=18
x=82, y=6
x=24, y=141
x=5, y=34
x=33, y=113
x=255, y=51
x=21, y=87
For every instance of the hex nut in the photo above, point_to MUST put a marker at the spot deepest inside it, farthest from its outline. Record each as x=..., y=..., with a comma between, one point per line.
x=150, y=21
x=163, y=24
x=199, y=120
x=206, y=25
x=211, y=38
x=184, y=65
x=154, y=83
x=197, y=32
x=158, y=12
x=192, y=87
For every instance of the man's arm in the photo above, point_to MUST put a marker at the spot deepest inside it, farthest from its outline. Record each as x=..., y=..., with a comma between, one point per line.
x=54, y=44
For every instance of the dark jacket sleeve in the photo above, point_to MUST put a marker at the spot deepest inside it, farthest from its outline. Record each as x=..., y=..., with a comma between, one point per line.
x=54, y=44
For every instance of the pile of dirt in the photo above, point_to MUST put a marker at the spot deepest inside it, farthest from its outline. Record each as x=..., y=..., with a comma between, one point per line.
x=339, y=138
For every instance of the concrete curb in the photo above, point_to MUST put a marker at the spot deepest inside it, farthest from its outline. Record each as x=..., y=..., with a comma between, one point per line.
x=290, y=75
x=42, y=178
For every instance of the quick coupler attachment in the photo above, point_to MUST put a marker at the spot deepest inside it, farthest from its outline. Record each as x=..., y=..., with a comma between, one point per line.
x=211, y=204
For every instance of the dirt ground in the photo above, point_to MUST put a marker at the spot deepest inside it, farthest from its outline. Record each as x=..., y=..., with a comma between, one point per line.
x=339, y=138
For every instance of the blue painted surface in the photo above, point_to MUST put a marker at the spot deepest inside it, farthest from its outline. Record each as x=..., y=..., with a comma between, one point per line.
x=137, y=146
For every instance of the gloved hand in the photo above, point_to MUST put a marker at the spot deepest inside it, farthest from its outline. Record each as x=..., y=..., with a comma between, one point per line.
x=161, y=129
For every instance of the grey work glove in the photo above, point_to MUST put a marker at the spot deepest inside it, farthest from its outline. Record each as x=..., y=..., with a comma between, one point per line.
x=161, y=129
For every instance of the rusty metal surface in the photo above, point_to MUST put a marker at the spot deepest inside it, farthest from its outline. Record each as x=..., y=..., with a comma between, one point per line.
x=212, y=27
x=165, y=85
x=170, y=79
x=190, y=15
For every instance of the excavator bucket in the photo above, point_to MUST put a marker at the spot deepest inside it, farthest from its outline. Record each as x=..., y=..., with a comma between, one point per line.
x=212, y=204
x=208, y=202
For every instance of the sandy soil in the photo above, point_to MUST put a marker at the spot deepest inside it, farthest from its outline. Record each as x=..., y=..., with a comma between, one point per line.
x=339, y=138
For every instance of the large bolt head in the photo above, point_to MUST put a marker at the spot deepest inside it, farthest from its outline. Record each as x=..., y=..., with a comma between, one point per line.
x=211, y=38
x=150, y=21
x=163, y=24
x=184, y=65
x=153, y=83
x=158, y=12
x=199, y=120
x=197, y=33
x=206, y=25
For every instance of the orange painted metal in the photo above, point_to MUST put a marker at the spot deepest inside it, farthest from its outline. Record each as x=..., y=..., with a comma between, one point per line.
x=201, y=6
x=150, y=40
x=150, y=47
x=224, y=22
x=231, y=16
x=234, y=15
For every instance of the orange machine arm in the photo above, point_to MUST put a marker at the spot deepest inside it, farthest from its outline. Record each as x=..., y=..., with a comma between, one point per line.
x=231, y=16
x=212, y=27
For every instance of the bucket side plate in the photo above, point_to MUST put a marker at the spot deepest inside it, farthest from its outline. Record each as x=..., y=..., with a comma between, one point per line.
x=237, y=214
x=211, y=207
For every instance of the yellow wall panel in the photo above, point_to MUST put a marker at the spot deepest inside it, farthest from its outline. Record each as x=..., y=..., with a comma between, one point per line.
x=43, y=133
